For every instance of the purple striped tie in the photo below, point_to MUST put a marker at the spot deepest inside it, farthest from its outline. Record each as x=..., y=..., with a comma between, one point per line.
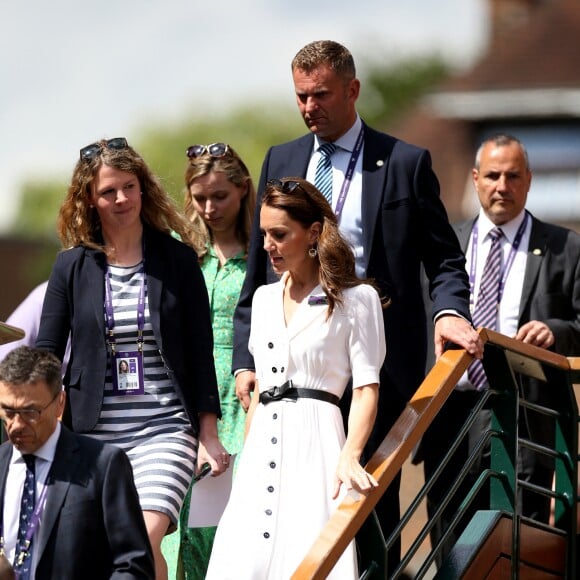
x=485, y=313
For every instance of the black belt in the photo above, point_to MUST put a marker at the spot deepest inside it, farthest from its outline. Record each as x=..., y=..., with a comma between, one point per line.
x=289, y=391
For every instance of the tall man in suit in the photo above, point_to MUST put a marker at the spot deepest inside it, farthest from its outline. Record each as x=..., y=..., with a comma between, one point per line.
x=538, y=303
x=387, y=199
x=84, y=517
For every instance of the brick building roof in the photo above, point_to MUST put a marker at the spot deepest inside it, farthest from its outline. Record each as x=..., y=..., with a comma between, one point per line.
x=529, y=72
x=539, y=50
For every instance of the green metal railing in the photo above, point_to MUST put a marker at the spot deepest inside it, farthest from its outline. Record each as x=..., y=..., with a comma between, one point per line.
x=504, y=368
x=506, y=361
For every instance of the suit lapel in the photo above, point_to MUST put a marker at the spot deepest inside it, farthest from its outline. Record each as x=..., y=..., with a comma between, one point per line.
x=62, y=472
x=5, y=455
x=297, y=164
x=376, y=156
x=155, y=273
x=536, y=253
x=92, y=280
x=463, y=232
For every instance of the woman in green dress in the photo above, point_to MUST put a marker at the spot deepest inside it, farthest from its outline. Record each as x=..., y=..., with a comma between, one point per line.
x=220, y=203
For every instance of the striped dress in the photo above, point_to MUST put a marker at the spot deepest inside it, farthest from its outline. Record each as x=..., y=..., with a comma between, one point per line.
x=153, y=428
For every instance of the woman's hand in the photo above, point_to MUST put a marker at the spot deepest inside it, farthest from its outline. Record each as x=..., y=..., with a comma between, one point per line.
x=352, y=475
x=363, y=410
x=211, y=450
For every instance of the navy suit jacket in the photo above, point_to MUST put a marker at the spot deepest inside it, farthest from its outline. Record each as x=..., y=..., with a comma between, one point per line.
x=404, y=225
x=551, y=290
x=179, y=310
x=92, y=525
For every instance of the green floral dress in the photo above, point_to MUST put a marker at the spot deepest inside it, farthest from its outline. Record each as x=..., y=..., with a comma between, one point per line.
x=223, y=285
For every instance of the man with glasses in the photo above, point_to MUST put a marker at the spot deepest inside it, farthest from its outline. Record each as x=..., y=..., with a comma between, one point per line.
x=386, y=198
x=68, y=504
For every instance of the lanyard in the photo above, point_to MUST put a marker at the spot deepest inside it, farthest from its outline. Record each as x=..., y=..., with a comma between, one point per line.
x=110, y=315
x=349, y=173
x=21, y=550
x=507, y=266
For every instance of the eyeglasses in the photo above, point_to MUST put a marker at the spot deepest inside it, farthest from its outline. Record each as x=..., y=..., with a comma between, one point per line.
x=285, y=185
x=27, y=415
x=214, y=150
x=89, y=152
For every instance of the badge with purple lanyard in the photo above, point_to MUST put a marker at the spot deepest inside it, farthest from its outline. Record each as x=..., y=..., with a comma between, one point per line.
x=126, y=366
x=127, y=372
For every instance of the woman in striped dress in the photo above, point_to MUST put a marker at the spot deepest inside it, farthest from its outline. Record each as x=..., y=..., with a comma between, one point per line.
x=141, y=372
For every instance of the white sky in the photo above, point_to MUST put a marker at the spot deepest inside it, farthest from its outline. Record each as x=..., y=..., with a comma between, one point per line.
x=73, y=71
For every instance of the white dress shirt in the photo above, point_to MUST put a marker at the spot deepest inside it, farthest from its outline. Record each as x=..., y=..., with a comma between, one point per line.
x=509, y=307
x=351, y=219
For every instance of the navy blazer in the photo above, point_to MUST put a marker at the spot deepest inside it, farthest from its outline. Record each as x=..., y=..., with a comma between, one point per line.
x=92, y=525
x=180, y=316
x=404, y=225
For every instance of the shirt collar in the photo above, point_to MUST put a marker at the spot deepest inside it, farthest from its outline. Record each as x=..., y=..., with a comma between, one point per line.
x=46, y=452
x=509, y=229
x=348, y=140
x=212, y=253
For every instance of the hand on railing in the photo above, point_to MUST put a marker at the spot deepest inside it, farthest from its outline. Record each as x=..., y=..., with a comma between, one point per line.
x=450, y=328
x=353, y=475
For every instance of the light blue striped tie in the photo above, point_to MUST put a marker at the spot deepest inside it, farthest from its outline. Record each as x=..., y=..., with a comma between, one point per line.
x=485, y=313
x=323, y=175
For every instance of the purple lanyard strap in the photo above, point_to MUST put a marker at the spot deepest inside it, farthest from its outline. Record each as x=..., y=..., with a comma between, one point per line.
x=22, y=549
x=109, y=312
x=507, y=266
x=349, y=173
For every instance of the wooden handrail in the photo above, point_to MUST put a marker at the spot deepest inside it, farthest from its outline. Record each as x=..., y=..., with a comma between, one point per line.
x=407, y=431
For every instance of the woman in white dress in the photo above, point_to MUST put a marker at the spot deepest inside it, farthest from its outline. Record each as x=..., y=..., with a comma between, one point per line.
x=311, y=332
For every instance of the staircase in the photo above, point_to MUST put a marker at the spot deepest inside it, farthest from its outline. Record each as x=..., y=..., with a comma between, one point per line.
x=499, y=542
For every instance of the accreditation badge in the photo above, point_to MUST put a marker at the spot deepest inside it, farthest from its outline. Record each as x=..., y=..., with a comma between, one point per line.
x=127, y=371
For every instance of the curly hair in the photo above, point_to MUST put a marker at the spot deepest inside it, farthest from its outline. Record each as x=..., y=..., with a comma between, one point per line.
x=78, y=223
x=306, y=205
x=237, y=173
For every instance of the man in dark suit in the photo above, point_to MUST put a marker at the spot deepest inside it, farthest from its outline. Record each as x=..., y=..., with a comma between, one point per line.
x=86, y=519
x=538, y=303
x=387, y=199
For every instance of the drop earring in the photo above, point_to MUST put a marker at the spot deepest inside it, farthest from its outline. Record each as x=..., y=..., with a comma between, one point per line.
x=313, y=252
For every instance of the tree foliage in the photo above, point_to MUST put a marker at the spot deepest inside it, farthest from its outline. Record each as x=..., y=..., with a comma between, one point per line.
x=389, y=92
x=251, y=129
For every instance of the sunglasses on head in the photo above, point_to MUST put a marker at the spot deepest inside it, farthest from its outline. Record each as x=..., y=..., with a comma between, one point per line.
x=91, y=151
x=284, y=185
x=214, y=150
